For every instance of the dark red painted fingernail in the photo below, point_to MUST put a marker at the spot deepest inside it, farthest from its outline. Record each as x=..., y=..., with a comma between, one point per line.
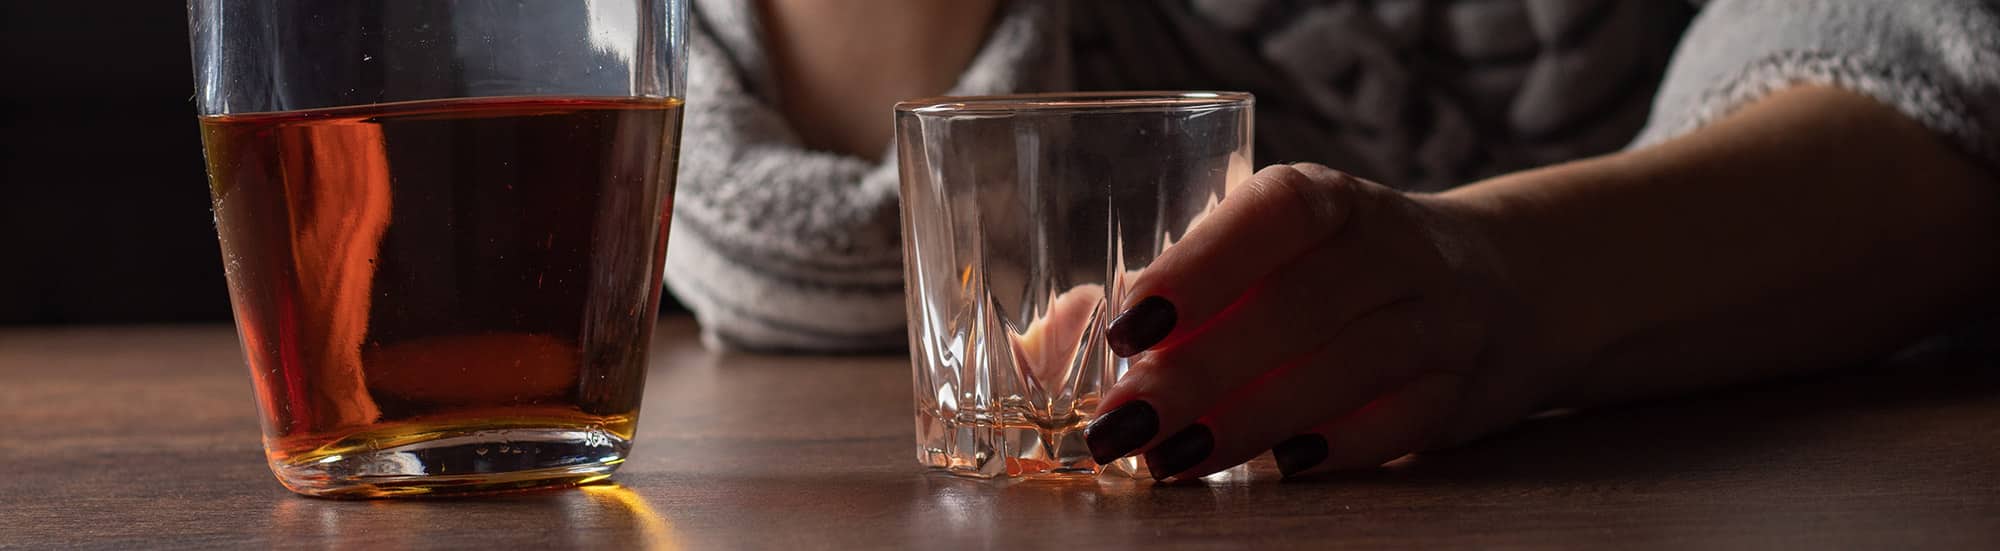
x=1180, y=452
x=1112, y=435
x=1141, y=326
x=1299, y=453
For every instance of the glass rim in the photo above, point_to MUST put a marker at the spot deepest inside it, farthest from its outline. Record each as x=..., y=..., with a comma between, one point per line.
x=1074, y=102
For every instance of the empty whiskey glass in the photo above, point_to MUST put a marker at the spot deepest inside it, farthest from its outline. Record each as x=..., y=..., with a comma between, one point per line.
x=1024, y=220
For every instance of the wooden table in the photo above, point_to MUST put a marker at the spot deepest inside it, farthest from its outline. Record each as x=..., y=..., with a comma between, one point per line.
x=146, y=437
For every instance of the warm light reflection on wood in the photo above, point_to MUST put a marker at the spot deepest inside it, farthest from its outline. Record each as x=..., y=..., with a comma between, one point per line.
x=656, y=530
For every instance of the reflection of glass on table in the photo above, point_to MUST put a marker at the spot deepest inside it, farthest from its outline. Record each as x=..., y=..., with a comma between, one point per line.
x=1024, y=219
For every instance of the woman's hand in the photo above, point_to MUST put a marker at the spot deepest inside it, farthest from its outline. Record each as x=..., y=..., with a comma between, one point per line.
x=1345, y=324
x=1337, y=320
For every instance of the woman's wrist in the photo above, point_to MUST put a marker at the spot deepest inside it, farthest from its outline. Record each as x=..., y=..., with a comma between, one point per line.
x=1532, y=326
x=1534, y=262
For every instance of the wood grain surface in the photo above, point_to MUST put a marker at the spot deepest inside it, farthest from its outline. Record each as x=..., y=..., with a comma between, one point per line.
x=146, y=437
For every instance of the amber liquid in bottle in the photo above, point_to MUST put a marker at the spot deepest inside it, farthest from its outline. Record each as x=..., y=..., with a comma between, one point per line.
x=445, y=287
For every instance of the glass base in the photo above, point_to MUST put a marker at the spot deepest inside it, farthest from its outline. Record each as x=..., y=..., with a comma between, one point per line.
x=457, y=463
x=972, y=446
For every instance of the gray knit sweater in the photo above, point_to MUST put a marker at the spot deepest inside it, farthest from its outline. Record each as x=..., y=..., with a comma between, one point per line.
x=777, y=247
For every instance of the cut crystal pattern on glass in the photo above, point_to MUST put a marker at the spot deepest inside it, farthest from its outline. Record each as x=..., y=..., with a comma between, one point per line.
x=1025, y=219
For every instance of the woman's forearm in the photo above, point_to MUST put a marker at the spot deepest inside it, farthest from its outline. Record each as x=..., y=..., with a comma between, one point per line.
x=841, y=65
x=1813, y=228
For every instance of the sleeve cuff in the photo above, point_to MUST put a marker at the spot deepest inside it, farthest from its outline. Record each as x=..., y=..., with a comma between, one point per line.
x=1913, y=94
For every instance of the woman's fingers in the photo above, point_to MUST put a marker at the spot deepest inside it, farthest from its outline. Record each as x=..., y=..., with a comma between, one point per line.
x=1307, y=295
x=1386, y=429
x=1285, y=317
x=1280, y=213
x=1371, y=356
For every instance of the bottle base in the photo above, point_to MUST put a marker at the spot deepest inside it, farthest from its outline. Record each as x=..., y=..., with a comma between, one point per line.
x=456, y=463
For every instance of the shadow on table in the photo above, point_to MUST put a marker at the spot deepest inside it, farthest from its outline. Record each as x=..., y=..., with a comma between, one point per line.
x=1717, y=430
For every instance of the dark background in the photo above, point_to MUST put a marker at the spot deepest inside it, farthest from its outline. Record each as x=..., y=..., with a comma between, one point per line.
x=105, y=214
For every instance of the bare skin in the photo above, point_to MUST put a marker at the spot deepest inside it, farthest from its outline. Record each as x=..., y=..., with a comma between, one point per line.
x=836, y=85
x=1813, y=229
